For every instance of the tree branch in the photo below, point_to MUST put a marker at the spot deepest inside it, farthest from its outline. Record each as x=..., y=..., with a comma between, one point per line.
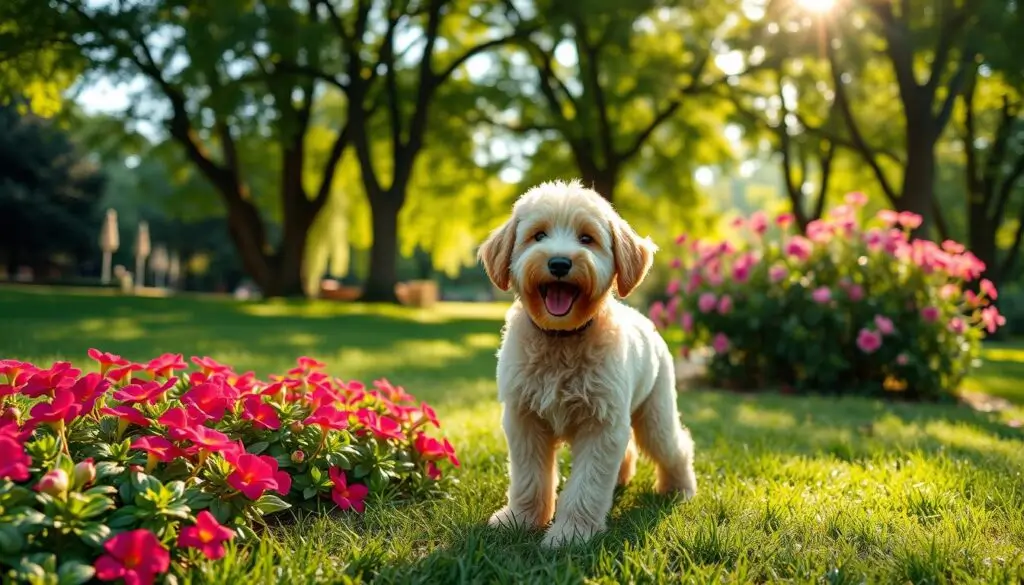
x=826, y=177
x=593, y=79
x=859, y=143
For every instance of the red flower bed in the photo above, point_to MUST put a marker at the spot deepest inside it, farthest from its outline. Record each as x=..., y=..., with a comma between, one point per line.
x=145, y=468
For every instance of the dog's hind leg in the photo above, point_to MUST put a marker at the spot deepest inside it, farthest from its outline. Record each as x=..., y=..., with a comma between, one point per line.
x=628, y=468
x=662, y=437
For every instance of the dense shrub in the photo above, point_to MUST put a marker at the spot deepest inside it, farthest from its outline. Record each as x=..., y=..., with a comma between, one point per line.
x=142, y=470
x=851, y=306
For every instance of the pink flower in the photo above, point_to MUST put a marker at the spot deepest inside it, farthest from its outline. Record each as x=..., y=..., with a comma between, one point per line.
x=957, y=325
x=799, y=247
x=207, y=536
x=384, y=427
x=855, y=292
x=910, y=221
x=429, y=414
x=15, y=462
x=255, y=474
x=106, y=360
x=157, y=448
x=869, y=341
x=433, y=471
x=657, y=312
x=930, y=314
x=262, y=415
x=676, y=263
x=819, y=231
x=856, y=199
x=988, y=289
x=948, y=291
x=707, y=302
x=777, y=273
x=54, y=482
x=720, y=343
x=680, y=239
x=136, y=556
x=725, y=305
x=673, y=287
x=127, y=413
x=902, y=359
x=347, y=497
x=991, y=319
x=759, y=222
x=888, y=217
x=210, y=366
x=687, y=321
x=784, y=220
x=63, y=408
x=179, y=422
x=821, y=295
x=884, y=325
x=431, y=449
x=327, y=417
x=165, y=365
x=208, y=399
x=875, y=239
x=147, y=392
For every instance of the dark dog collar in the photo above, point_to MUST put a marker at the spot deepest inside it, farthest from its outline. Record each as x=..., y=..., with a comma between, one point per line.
x=563, y=332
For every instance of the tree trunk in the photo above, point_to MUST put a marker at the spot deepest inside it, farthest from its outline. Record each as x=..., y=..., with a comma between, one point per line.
x=601, y=180
x=380, y=283
x=918, y=192
x=287, y=265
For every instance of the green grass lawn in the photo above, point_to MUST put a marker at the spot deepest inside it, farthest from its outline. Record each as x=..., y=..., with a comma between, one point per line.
x=791, y=489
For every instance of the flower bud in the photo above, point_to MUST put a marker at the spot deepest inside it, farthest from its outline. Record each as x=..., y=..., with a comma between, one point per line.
x=84, y=473
x=298, y=456
x=54, y=483
x=297, y=427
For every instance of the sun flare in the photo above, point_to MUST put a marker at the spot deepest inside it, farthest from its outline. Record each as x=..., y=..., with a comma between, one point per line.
x=817, y=5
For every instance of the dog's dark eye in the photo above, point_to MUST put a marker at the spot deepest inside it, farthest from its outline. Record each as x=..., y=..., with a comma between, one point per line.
x=540, y=236
x=586, y=239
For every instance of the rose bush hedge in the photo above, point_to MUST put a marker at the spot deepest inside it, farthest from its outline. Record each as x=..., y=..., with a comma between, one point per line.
x=140, y=471
x=854, y=305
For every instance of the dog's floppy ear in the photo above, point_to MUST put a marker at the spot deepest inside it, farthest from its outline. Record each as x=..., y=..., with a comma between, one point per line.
x=496, y=254
x=633, y=256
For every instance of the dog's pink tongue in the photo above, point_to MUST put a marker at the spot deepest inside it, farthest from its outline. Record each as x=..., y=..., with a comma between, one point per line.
x=558, y=300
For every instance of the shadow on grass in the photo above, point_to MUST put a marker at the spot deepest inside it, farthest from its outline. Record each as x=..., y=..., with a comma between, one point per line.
x=430, y=352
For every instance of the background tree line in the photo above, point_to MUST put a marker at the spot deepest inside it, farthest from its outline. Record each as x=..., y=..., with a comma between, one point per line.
x=313, y=127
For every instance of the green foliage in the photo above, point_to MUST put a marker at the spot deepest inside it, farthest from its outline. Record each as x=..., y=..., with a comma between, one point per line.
x=49, y=190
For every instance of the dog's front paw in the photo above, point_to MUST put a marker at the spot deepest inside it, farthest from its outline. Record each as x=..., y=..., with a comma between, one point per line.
x=506, y=518
x=563, y=533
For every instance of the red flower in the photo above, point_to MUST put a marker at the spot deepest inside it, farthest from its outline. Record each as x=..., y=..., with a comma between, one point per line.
x=383, y=427
x=165, y=365
x=88, y=389
x=141, y=391
x=310, y=364
x=14, y=464
x=262, y=415
x=207, y=398
x=207, y=439
x=328, y=417
x=136, y=556
x=127, y=413
x=158, y=448
x=210, y=365
x=255, y=474
x=433, y=471
x=394, y=393
x=429, y=414
x=207, y=535
x=13, y=369
x=432, y=450
x=179, y=423
x=106, y=360
x=118, y=374
x=59, y=376
x=347, y=497
x=63, y=407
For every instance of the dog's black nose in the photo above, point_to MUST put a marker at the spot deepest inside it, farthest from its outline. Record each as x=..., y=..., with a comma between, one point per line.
x=559, y=266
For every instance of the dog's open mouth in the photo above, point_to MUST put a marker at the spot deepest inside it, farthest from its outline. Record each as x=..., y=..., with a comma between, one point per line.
x=559, y=297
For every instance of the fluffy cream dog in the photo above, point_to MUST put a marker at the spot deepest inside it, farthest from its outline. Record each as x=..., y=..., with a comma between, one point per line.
x=577, y=365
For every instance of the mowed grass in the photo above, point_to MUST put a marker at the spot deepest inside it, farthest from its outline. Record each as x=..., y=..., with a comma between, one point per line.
x=790, y=489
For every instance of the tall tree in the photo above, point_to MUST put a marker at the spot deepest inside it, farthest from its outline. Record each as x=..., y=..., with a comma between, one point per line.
x=213, y=79
x=604, y=77
x=48, y=193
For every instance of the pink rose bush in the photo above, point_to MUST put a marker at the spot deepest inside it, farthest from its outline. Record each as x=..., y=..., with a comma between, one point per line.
x=144, y=469
x=854, y=305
